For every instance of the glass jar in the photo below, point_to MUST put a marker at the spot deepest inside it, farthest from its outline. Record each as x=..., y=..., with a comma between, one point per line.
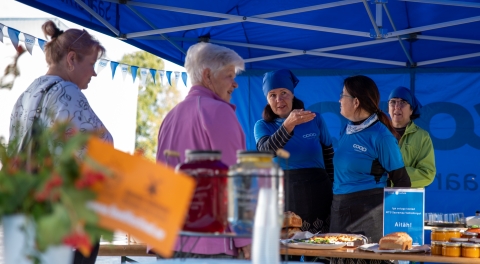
x=436, y=248
x=208, y=210
x=254, y=170
x=451, y=249
x=453, y=233
x=471, y=250
x=439, y=234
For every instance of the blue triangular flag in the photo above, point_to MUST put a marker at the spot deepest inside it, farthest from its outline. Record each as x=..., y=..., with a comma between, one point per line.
x=13, y=34
x=153, y=72
x=184, y=78
x=134, y=69
x=169, y=73
x=41, y=43
x=113, y=66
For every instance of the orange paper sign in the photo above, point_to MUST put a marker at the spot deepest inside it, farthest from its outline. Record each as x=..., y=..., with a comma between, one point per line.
x=147, y=200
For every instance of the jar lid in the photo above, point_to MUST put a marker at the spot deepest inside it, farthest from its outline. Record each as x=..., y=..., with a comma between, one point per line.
x=254, y=153
x=469, y=233
x=452, y=229
x=471, y=245
x=474, y=240
x=437, y=243
x=439, y=230
x=452, y=244
x=459, y=239
x=200, y=153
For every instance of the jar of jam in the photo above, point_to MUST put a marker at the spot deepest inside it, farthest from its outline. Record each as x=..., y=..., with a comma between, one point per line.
x=439, y=234
x=453, y=233
x=471, y=250
x=469, y=235
x=436, y=248
x=208, y=210
x=254, y=170
x=451, y=249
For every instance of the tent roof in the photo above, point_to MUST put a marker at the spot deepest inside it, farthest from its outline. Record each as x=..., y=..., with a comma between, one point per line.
x=348, y=34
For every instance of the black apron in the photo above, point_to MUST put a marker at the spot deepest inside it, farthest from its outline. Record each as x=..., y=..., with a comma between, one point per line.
x=310, y=197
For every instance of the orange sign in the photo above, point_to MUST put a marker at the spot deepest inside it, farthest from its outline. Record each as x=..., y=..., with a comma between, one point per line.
x=147, y=200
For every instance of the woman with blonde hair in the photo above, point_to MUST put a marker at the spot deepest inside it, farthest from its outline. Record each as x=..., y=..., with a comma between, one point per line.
x=57, y=95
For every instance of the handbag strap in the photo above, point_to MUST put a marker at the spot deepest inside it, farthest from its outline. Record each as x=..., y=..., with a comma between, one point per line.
x=34, y=131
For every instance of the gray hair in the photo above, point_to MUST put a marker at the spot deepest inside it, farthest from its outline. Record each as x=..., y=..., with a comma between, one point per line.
x=205, y=55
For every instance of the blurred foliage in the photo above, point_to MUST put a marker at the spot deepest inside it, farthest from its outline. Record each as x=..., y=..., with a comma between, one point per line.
x=154, y=102
x=11, y=72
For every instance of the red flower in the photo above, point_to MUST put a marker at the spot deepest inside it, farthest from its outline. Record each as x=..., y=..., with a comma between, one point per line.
x=54, y=182
x=80, y=241
x=88, y=179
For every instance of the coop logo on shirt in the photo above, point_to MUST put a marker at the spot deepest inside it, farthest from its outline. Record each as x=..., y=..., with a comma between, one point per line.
x=359, y=148
x=309, y=135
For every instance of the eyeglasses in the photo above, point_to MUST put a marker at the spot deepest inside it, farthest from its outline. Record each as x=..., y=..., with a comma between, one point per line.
x=400, y=103
x=346, y=95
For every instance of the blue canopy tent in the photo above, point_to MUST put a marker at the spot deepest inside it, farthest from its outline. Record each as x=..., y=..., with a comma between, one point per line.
x=431, y=46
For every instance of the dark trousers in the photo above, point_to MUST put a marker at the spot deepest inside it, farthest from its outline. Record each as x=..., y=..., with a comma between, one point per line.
x=358, y=213
x=81, y=259
x=310, y=196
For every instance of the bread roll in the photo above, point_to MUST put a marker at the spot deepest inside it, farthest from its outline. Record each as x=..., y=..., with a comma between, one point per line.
x=289, y=232
x=397, y=240
x=290, y=219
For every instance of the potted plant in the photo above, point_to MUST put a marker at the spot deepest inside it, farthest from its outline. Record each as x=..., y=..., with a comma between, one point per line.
x=45, y=192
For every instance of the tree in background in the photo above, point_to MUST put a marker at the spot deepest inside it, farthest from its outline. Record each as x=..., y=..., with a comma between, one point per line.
x=11, y=71
x=154, y=102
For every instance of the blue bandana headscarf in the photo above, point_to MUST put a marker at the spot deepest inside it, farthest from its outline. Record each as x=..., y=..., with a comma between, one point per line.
x=279, y=79
x=406, y=94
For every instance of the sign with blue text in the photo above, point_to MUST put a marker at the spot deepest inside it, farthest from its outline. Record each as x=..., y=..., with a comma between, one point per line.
x=403, y=211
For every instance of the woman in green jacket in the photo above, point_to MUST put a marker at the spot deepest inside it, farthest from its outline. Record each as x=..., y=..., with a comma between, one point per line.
x=415, y=143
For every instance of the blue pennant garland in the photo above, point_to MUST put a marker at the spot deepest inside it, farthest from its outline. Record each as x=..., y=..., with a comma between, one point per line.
x=153, y=72
x=41, y=43
x=184, y=78
x=13, y=34
x=169, y=73
x=113, y=66
x=134, y=69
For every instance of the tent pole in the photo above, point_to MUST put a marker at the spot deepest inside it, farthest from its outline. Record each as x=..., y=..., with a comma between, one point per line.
x=98, y=17
x=152, y=26
x=398, y=37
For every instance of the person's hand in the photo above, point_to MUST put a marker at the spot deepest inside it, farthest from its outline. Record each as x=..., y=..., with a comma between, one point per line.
x=297, y=117
x=246, y=251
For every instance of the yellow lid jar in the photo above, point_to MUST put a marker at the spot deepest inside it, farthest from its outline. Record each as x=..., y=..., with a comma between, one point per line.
x=436, y=248
x=452, y=249
x=471, y=250
x=439, y=234
x=453, y=233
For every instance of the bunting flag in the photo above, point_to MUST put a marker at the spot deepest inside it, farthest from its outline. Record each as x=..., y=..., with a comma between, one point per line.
x=29, y=42
x=143, y=76
x=153, y=72
x=134, y=69
x=124, y=68
x=177, y=77
x=169, y=73
x=161, y=73
x=1, y=32
x=113, y=66
x=41, y=43
x=13, y=35
x=184, y=78
x=102, y=64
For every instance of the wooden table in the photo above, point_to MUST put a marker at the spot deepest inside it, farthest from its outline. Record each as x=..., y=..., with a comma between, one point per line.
x=360, y=254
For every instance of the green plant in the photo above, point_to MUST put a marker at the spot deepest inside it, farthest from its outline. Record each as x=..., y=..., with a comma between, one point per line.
x=52, y=186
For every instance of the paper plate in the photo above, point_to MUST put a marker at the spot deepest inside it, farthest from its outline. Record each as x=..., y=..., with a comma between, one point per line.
x=374, y=248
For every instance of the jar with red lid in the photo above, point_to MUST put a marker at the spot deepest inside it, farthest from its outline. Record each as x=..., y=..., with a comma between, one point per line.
x=208, y=210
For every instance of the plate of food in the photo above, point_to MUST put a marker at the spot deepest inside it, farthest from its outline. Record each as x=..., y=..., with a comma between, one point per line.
x=397, y=242
x=313, y=243
x=352, y=240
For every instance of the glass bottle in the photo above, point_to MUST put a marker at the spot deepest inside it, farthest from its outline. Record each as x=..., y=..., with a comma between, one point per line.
x=208, y=209
x=254, y=170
